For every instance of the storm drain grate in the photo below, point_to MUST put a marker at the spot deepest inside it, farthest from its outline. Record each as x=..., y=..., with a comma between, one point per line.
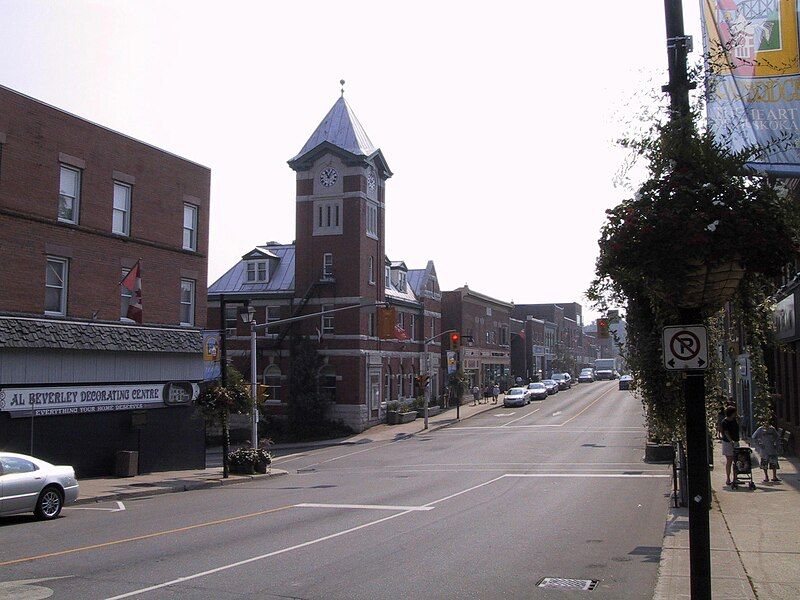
x=560, y=583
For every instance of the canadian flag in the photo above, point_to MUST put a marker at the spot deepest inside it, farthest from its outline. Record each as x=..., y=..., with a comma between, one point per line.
x=400, y=333
x=133, y=283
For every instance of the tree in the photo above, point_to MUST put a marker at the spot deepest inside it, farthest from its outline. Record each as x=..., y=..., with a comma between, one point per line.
x=307, y=407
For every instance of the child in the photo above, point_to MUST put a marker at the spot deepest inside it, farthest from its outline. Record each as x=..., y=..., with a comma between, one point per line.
x=767, y=441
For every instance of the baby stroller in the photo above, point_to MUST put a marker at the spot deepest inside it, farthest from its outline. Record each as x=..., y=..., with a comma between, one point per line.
x=742, y=467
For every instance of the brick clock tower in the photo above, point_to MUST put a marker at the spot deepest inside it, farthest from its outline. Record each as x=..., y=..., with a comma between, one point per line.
x=339, y=245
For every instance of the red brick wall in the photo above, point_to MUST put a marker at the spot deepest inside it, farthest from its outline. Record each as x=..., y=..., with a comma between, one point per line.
x=35, y=137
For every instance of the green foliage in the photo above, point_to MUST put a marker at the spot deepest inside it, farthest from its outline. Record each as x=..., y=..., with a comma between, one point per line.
x=459, y=383
x=217, y=402
x=307, y=407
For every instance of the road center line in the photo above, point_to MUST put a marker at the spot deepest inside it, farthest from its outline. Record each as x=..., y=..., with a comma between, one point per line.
x=362, y=506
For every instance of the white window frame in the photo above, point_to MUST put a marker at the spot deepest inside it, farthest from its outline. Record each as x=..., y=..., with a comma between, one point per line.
x=257, y=271
x=191, y=304
x=194, y=210
x=76, y=200
x=62, y=311
x=372, y=270
x=235, y=308
x=401, y=281
x=328, y=217
x=387, y=277
x=372, y=220
x=326, y=321
x=327, y=265
x=272, y=379
x=126, y=212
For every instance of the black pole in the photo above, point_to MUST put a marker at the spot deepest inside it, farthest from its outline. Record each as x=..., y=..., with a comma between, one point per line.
x=694, y=384
x=223, y=352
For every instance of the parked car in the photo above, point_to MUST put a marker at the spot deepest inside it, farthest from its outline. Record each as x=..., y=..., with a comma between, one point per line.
x=586, y=376
x=516, y=396
x=537, y=391
x=28, y=484
x=625, y=382
x=564, y=380
x=551, y=385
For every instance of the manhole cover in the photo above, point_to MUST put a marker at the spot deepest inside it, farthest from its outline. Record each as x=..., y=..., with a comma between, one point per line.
x=560, y=583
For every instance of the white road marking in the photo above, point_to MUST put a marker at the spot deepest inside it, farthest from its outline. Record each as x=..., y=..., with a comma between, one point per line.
x=616, y=475
x=294, y=456
x=555, y=414
x=362, y=506
x=504, y=414
x=520, y=418
x=120, y=508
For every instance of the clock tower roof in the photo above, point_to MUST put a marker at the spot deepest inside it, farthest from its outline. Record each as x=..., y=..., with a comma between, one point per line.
x=341, y=132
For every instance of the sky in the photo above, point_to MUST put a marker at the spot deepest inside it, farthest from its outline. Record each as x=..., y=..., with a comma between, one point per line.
x=498, y=119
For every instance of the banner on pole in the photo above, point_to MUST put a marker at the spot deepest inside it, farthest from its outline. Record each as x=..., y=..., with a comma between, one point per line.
x=753, y=71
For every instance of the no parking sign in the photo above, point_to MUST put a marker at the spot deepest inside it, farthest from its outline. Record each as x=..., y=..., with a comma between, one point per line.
x=685, y=347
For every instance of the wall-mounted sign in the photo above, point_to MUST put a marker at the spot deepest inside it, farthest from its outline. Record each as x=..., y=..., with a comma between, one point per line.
x=211, y=354
x=783, y=317
x=73, y=400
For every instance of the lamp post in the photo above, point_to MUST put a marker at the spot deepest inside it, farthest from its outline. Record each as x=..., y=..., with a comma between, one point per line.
x=249, y=317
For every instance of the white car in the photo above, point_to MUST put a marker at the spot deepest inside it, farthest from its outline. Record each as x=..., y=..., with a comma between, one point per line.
x=28, y=484
x=537, y=391
x=516, y=396
x=586, y=376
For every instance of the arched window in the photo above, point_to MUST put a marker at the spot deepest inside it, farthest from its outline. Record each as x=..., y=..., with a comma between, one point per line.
x=400, y=378
x=272, y=380
x=327, y=383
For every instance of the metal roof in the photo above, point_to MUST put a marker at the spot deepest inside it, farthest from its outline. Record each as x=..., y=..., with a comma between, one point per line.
x=341, y=128
x=281, y=277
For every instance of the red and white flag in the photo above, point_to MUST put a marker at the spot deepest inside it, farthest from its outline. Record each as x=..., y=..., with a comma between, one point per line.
x=400, y=333
x=133, y=283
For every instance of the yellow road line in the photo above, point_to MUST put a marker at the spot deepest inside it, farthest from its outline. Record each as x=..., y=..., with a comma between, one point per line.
x=143, y=537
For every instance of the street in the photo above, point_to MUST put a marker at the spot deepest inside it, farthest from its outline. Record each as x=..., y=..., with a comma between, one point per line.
x=482, y=509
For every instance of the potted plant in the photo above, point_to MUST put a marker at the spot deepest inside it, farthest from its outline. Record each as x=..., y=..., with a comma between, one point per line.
x=399, y=412
x=248, y=461
x=419, y=406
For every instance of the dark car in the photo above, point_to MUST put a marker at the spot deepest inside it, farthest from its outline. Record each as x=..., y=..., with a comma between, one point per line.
x=625, y=382
x=564, y=380
x=552, y=386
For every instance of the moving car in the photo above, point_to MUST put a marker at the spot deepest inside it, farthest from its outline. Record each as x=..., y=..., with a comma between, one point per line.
x=605, y=368
x=516, y=396
x=28, y=484
x=586, y=376
x=552, y=386
x=537, y=391
x=564, y=380
x=625, y=382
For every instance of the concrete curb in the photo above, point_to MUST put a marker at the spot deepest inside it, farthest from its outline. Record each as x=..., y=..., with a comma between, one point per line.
x=186, y=486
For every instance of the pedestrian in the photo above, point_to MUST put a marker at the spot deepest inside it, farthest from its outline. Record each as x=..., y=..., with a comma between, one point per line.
x=730, y=439
x=446, y=397
x=495, y=393
x=767, y=443
x=720, y=418
x=487, y=392
x=476, y=395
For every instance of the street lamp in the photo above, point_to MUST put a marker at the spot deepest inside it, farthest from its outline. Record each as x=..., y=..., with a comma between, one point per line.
x=249, y=317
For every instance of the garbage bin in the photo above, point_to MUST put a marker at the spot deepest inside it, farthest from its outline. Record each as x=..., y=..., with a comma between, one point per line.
x=127, y=463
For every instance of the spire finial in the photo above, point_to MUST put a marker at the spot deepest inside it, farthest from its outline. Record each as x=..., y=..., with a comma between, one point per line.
x=341, y=82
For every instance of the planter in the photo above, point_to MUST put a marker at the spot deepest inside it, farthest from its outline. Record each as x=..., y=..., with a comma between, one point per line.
x=394, y=417
x=710, y=286
x=658, y=453
x=432, y=410
x=248, y=469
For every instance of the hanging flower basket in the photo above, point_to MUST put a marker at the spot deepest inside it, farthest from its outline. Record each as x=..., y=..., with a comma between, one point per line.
x=707, y=287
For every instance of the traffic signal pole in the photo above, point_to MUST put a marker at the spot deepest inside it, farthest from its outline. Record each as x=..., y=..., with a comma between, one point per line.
x=694, y=383
x=424, y=351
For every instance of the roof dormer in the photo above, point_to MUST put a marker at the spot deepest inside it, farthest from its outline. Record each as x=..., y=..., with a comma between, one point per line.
x=259, y=264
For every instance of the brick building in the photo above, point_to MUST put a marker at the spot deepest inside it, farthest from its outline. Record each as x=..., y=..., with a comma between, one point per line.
x=486, y=320
x=337, y=260
x=80, y=205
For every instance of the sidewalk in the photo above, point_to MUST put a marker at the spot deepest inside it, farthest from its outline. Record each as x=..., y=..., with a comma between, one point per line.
x=755, y=539
x=120, y=488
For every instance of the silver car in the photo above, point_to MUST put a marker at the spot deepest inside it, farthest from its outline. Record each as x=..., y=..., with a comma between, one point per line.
x=28, y=484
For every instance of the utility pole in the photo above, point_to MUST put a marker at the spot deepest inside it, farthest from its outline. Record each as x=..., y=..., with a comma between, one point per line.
x=678, y=46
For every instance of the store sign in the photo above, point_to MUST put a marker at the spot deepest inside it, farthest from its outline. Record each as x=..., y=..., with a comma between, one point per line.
x=73, y=400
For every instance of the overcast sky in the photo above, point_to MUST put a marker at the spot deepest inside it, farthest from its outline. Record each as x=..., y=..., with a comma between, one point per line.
x=497, y=118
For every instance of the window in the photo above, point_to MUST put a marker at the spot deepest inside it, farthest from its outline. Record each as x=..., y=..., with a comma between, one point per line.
x=125, y=297
x=412, y=328
x=387, y=382
x=231, y=316
x=387, y=277
x=401, y=281
x=433, y=327
x=272, y=381
x=13, y=465
x=327, y=320
x=187, y=302
x=273, y=314
x=327, y=383
x=371, y=325
x=401, y=320
x=372, y=270
x=372, y=220
x=257, y=271
x=189, y=227
x=55, y=295
x=69, y=194
x=327, y=265
x=121, y=217
x=400, y=383
x=504, y=336
x=328, y=217
x=488, y=311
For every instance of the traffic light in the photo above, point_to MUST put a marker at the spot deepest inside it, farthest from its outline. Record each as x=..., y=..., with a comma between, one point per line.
x=455, y=341
x=602, y=329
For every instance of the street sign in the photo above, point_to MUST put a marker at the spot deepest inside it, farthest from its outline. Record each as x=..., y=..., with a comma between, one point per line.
x=685, y=347
x=452, y=367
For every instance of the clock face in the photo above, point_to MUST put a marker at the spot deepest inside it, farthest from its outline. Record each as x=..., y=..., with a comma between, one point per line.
x=328, y=176
x=371, y=181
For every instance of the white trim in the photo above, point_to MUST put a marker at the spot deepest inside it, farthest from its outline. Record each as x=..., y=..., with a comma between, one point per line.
x=62, y=311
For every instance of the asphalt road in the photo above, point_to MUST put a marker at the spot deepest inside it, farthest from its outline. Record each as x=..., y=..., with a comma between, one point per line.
x=482, y=509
